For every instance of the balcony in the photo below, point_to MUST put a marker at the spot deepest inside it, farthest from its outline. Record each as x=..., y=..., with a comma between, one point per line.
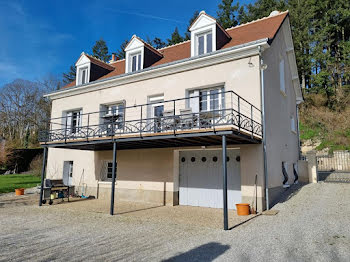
x=203, y=116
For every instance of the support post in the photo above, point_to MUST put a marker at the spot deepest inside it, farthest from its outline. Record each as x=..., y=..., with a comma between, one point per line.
x=114, y=166
x=224, y=173
x=43, y=176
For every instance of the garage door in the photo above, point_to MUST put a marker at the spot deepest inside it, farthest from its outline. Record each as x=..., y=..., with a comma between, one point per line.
x=201, y=178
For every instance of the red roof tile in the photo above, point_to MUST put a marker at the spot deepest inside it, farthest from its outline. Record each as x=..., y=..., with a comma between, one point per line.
x=263, y=28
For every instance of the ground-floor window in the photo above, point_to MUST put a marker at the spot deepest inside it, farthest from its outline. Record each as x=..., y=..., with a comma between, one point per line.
x=107, y=171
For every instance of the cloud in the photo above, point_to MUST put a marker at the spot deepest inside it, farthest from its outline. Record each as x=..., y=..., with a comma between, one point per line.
x=144, y=15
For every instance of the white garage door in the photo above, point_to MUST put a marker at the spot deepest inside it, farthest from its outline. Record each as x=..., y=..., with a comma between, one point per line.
x=201, y=179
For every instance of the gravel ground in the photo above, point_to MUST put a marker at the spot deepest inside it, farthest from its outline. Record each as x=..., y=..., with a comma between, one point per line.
x=313, y=224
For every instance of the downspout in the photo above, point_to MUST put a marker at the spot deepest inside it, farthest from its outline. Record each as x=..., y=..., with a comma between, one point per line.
x=262, y=68
x=298, y=130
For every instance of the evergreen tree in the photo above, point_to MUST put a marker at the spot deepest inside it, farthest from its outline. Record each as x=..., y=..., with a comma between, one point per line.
x=157, y=43
x=261, y=8
x=69, y=76
x=100, y=50
x=188, y=33
x=301, y=14
x=175, y=37
x=227, y=13
x=120, y=53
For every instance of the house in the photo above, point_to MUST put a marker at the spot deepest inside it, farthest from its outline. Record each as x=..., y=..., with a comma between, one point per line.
x=171, y=116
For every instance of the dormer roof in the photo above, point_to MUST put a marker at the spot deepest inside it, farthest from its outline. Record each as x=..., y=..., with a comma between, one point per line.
x=86, y=57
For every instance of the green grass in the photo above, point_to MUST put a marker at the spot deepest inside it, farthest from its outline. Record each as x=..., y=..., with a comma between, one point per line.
x=8, y=183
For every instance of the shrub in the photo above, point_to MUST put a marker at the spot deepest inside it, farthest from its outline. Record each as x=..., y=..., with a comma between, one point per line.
x=36, y=165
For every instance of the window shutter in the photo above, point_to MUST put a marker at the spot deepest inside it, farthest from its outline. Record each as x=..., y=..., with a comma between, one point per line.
x=194, y=101
x=69, y=121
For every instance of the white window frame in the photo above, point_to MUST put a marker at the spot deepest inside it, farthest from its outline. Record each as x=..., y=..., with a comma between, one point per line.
x=107, y=110
x=139, y=60
x=203, y=24
x=83, y=64
x=221, y=98
x=68, y=120
x=205, y=35
x=282, y=78
x=81, y=80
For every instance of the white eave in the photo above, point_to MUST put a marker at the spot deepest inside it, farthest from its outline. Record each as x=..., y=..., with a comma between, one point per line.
x=223, y=55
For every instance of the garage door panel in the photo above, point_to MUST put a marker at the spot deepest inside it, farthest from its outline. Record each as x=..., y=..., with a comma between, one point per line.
x=201, y=178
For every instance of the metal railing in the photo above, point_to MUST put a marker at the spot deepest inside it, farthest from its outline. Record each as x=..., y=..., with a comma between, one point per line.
x=219, y=109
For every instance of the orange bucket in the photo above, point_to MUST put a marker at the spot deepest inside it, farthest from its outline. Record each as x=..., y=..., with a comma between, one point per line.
x=243, y=209
x=19, y=191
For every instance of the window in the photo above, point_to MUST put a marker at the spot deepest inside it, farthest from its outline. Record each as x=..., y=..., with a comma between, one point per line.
x=70, y=172
x=109, y=170
x=292, y=124
x=83, y=75
x=155, y=111
x=211, y=99
x=73, y=121
x=204, y=43
x=135, y=64
x=282, y=81
x=113, y=116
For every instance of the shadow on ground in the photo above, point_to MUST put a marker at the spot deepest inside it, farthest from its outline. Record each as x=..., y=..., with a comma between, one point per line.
x=206, y=252
x=288, y=193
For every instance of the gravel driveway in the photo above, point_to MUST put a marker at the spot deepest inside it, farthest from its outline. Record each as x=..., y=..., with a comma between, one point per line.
x=312, y=225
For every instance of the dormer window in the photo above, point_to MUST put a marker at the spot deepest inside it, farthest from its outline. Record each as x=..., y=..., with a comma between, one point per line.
x=207, y=35
x=204, y=43
x=90, y=68
x=135, y=62
x=139, y=55
x=83, y=75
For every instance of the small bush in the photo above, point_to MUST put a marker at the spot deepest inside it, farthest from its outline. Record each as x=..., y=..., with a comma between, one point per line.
x=36, y=165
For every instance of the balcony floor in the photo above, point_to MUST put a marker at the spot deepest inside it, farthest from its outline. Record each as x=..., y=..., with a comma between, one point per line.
x=183, y=138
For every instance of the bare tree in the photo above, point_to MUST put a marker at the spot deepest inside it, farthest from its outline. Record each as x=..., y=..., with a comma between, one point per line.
x=24, y=110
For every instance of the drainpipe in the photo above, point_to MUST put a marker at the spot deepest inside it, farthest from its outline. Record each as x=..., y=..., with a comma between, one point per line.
x=262, y=68
x=298, y=130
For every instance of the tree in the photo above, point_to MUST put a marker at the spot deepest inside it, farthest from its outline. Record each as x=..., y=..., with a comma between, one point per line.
x=120, y=53
x=194, y=17
x=261, y=8
x=100, y=50
x=24, y=111
x=175, y=37
x=227, y=13
x=157, y=43
x=69, y=76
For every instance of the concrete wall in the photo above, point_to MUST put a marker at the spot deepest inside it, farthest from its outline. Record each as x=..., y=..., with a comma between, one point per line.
x=303, y=171
x=281, y=142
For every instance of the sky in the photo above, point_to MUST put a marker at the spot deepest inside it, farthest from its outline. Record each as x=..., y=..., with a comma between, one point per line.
x=41, y=38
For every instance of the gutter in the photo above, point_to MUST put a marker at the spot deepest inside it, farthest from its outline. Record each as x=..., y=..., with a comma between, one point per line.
x=219, y=56
x=262, y=88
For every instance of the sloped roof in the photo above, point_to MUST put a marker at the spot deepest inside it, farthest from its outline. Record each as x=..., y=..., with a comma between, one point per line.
x=99, y=62
x=266, y=27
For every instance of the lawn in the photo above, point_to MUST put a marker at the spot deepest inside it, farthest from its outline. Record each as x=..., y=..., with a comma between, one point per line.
x=8, y=183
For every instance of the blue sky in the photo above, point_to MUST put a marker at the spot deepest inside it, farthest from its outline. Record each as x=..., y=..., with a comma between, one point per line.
x=45, y=37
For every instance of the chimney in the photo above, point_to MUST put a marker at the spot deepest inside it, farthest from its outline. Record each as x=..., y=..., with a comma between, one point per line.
x=113, y=57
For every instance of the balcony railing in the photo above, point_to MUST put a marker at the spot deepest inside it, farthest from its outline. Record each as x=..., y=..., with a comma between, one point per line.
x=196, y=113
